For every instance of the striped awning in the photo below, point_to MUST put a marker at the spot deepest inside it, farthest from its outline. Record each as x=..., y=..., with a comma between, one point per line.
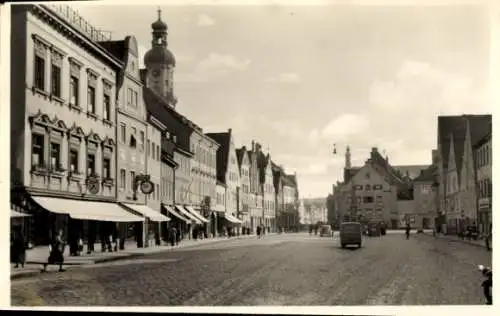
x=196, y=214
x=148, y=212
x=16, y=214
x=186, y=214
x=87, y=210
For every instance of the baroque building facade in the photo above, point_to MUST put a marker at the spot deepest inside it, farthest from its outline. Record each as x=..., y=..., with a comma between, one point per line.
x=63, y=136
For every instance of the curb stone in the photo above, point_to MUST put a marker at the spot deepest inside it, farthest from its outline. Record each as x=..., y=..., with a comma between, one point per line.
x=456, y=240
x=69, y=266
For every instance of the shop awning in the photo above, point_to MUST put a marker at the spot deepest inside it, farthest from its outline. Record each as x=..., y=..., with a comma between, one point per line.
x=87, y=210
x=17, y=214
x=196, y=214
x=186, y=214
x=232, y=219
x=172, y=211
x=148, y=212
x=219, y=208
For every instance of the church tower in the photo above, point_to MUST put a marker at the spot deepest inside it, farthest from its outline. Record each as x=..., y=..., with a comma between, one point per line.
x=348, y=158
x=160, y=63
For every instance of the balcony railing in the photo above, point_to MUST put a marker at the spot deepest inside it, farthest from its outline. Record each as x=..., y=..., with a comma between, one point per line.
x=75, y=19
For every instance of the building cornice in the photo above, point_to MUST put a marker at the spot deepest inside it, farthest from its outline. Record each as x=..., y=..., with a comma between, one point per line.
x=59, y=24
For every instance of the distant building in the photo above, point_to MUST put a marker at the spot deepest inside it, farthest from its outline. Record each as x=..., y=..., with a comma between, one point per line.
x=315, y=210
x=376, y=191
x=228, y=174
x=245, y=195
x=455, y=190
x=256, y=194
x=483, y=158
x=424, y=199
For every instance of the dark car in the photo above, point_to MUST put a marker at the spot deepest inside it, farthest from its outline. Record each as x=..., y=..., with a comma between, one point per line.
x=350, y=234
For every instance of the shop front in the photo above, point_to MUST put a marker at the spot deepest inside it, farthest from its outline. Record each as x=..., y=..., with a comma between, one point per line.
x=229, y=224
x=176, y=220
x=188, y=232
x=202, y=228
x=150, y=229
x=484, y=215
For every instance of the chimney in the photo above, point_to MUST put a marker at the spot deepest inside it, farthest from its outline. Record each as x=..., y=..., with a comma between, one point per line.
x=253, y=145
x=229, y=130
x=373, y=152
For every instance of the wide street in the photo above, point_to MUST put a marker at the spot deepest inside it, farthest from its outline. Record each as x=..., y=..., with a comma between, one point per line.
x=295, y=269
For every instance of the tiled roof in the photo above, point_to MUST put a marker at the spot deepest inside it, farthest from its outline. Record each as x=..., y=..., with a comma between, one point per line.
x=412, y=171
x=483, y=140
x=426, y=175
x=116, y=48
x=223, y=139
x=349, y=173
x=159, y=108
x=240, y=153
x=262, y=161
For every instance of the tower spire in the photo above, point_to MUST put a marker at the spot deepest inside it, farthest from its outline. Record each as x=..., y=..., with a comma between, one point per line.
x=348, y=157
x=159, y=13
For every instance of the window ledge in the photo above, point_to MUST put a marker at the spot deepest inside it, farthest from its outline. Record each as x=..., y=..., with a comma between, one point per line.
x=36, y=90
x=108, y=182
x=57, y=173
x=92, y=115
x=57, y=99
x=75, y=107
x=107, y=122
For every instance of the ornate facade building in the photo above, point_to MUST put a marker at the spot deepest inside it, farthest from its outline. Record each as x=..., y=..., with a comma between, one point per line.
x=63, y=136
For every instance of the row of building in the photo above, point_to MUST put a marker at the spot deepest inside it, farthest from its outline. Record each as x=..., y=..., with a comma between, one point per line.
x=98, y=146
x=449, y=194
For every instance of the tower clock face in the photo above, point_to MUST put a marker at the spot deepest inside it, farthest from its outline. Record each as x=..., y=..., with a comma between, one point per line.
x=156, y=73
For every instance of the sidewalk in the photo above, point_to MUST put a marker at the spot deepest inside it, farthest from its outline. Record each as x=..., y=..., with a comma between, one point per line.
x=454, y=238
x=38, y=256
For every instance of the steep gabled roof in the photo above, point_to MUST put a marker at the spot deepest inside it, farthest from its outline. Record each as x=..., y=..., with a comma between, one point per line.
x=116, y=48
x=456, y=126
x=240, y=153
x=349, y=173
x=262, y=161
x=412, y=171
x=224, y=140
x=159, y=108
x=427, y=175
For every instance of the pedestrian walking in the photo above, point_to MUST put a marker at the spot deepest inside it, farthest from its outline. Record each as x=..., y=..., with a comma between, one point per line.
x=408, y=228
x=178, y=235
x=258, y=232
x=488, y=238
x=18, y=248
x=173, y=236
x=56, y=255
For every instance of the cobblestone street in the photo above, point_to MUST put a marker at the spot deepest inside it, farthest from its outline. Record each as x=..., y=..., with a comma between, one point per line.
x=278, y=270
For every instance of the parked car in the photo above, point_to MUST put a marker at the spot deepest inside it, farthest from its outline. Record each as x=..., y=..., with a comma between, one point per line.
x=326, y=231
x=374, y=229
x=351, y=234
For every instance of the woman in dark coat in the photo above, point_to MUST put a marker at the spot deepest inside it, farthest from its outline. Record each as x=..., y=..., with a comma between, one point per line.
x=18, y=249
x=56, y=255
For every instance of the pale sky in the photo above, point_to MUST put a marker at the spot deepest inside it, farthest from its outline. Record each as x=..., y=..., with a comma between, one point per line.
x=300, y=78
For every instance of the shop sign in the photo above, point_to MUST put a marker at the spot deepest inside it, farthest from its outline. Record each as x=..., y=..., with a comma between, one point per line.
x=484, y=203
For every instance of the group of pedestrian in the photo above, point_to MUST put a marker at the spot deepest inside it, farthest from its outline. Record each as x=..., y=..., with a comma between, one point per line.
x=261, y=231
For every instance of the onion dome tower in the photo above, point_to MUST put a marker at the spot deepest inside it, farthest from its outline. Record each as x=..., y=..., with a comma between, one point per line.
x=160, y=62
